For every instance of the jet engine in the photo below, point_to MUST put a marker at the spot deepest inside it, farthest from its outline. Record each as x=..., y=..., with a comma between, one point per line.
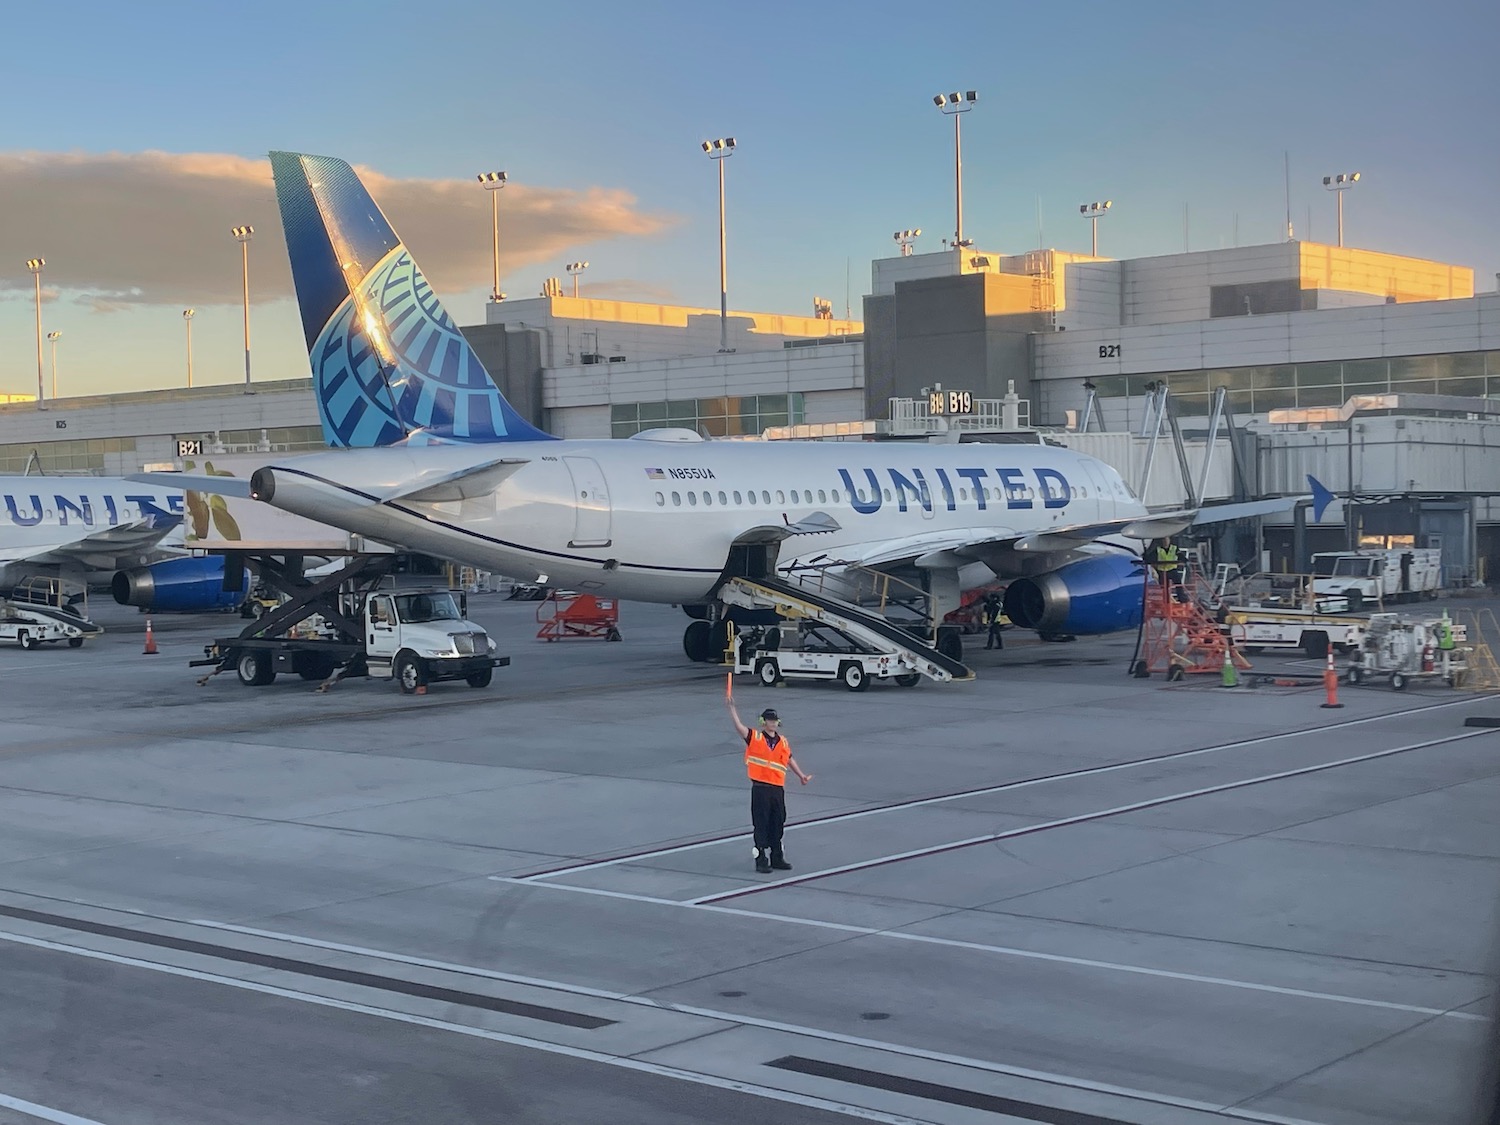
x=194, y=585
x=1102, y=594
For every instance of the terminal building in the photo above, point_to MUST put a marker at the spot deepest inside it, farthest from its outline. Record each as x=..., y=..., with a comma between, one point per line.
x=1378, y=374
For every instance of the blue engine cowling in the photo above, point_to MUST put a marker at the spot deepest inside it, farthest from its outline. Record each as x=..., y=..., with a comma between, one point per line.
x=1097, y=595
x=179, y=586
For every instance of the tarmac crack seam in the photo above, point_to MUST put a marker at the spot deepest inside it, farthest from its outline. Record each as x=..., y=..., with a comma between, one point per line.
x=1068, y=775
x=1196, y=854
x=1024, y=954
x=584, y=1054
x=1355, y=1053
x=1081, y=818
x=900, y=1049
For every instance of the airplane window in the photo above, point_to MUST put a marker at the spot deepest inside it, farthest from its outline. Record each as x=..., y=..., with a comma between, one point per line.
x=765, y=497
x=780, y=497
x=676, y=499
x=963, y=493
x=751, y=494
x=822, y=497
x=692, y=499
x=834, y=494
x=862, y=497
x=708, y=499
x=661, y=500
x=887, y=493
x=737, y=496
x=723, y=499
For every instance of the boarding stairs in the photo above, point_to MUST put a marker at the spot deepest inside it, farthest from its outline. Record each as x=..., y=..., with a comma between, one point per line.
x=860, y=625
x=1180, y=634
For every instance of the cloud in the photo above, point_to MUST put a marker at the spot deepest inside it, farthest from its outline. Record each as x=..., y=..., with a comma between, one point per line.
x=120, y=230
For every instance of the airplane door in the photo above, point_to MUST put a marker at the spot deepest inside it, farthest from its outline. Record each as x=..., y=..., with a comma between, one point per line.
x=590, y=501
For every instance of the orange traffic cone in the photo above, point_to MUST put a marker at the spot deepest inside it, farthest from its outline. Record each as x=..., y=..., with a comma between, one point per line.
x=150, y=649
x=1331, y=683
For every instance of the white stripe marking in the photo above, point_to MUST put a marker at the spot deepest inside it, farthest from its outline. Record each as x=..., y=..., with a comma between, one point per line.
x=642, y=1001
x=42, y=1112
x=1081, y=818
x=461, y=1029
x=1006, y=787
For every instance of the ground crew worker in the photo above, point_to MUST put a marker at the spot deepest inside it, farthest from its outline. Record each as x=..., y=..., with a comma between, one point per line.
x=991, y=615
x=1162, y=557
x=767, y=756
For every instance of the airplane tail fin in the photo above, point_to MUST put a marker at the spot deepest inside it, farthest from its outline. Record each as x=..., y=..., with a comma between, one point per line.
x=1322, y=497
x=389, y=364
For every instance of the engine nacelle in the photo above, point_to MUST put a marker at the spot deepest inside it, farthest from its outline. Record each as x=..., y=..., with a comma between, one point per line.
x=179, y=586
x=1102, y=594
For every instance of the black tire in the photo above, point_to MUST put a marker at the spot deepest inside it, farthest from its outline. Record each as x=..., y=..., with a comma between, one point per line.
x=75, y=642
x=1398, y=681
x=1315, y=645
x=950, y=642
x=613, y=634
x=698, y=642
x=1140, y=670
x=26, y=640
x=910, y=679
x=255, y=668
x=481, y=678
x=1355, y=599
x=408, y=673
x=768, y=672
x=853, y=676
x=1252, y=650
x=1356, y=675
x=1174, y=673
x=316, y=666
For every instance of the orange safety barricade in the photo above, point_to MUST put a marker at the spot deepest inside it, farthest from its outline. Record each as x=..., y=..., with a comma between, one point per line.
x=578, y=615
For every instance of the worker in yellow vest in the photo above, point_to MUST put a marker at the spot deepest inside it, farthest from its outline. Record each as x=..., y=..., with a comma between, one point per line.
x=768, y=755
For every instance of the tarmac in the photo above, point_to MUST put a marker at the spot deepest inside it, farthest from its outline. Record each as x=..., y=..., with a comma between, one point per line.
x=1057, y=894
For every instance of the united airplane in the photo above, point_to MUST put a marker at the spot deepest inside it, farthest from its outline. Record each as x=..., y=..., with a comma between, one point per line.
x=431, y=456
x=127, y=532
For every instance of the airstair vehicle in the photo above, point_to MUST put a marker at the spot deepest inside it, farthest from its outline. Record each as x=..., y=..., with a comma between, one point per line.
x=1179, y=636
x=37, y=612
x=847, y=642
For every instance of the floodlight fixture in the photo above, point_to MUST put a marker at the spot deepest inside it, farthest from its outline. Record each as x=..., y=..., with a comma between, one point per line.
x=955, y=106
x=718, y=150
x=1339, y=184
x=1093, y=212
x=492, y=182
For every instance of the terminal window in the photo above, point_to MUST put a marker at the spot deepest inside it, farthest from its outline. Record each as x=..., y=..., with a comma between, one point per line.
x=1255, y=390
x=82, y=455
x=722, y=416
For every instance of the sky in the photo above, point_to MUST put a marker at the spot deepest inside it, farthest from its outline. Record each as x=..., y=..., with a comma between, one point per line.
x=135, y=136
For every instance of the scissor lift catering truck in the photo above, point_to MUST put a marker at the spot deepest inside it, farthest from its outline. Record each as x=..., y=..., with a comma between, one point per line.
x=342, y=624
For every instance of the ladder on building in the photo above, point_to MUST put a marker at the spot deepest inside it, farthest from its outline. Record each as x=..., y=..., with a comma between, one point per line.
x=1179, y=636
x=860, y=625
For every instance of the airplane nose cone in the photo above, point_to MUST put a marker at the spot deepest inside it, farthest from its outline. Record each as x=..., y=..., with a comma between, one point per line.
x=262, y=485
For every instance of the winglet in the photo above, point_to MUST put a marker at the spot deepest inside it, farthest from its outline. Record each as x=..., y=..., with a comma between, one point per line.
x=1322, y=497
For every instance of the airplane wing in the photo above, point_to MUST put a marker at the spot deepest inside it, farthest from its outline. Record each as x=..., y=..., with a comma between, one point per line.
x=102, y=550
x=984, y=544
x=194, y=482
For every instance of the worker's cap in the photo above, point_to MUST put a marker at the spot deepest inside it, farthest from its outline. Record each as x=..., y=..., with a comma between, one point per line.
x=769, y=715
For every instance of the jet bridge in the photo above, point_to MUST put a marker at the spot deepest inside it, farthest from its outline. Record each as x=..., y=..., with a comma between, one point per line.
x=862, y=626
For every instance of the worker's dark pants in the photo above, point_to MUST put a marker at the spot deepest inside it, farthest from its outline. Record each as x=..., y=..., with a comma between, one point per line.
x=767, y=814
x=994, y=638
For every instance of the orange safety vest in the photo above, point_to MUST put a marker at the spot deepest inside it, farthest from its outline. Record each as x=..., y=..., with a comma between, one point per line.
x=766, y=763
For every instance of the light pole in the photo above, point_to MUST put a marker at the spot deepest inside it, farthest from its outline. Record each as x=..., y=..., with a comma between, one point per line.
x=574, y=269
x=1338, y=185
x=955, y=105
x=718, y=151
x=54, y=337
x=1093, y=212
x=904, y=239
x=35, y=266
x=493, y=182
x=187, y=319
x=242, y=235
